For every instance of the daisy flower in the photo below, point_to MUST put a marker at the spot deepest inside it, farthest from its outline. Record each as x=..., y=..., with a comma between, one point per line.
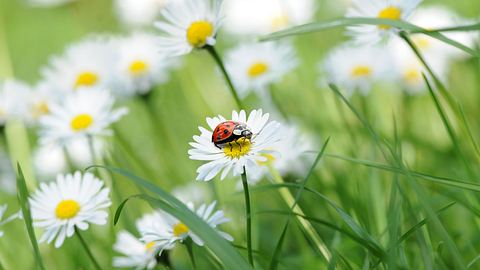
x=139, y=13
x=243, y=153
x=140, y=66
x=164, y=230
x=39, y=100
x=382, y=9
x=355, y=68
x=85, y=64
x=255, y=66
x=194, y=192
x=13, y=94
x=188, y=25
x=136, y=253
x=72, y=201
x=253, y=17
x=86, y=112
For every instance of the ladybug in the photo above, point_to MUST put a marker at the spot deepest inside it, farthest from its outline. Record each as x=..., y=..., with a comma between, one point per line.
x=230, y=131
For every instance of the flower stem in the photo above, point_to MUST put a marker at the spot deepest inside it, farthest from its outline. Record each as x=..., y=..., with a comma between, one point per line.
x=68, y=159
x=85, y=246
x=220, y=64
x=189, y=245
x=248, y=215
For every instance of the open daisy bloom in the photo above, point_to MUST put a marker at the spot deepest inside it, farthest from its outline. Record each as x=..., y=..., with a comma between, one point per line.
x=257, y=65
x=163, y=230
x=136, y=253
x=356, y=68
x=85, y=64
x=140, y=65
x=72, y=201
x=239, y=154
x=188, y=25
x=381, y=9
x=87, y=112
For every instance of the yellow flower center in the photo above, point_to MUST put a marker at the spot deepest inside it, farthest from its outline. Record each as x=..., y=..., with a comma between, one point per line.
x=422, y=42
x=270, y=159
x=392, y=13
x=138, y=67
x=81, y=122
x=238, y=148
x=361, y=71
x=180, y=229
x=149, y=246
x=257, y=69
x=86, y=78
x=198, y=33
x=40, y=109
x=67, y=209
x=280, y=22
x=412, y=75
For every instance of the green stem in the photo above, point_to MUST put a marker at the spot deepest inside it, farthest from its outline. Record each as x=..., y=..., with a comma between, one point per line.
x=68, y=159
x=189, y=245
x=220, y=64
x=248, y=215
x=85, y=246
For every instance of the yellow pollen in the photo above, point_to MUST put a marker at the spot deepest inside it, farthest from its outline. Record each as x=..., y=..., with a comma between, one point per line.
x=40, y=109
x=257, y=69
x=86, y=78
x=422, y=42
x=412, y=75
x=138, y=67
x=361, y=71
x=149, y=246
x=180, y=229
x=198, y=33
x=392, y=13
x=81, y=122
x=270, y=159
x=67, y=209
x=280, y=22
x=238, y=148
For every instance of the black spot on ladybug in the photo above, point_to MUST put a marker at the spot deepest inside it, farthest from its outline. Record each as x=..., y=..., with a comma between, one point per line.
x=225, y=132
x=219, y=137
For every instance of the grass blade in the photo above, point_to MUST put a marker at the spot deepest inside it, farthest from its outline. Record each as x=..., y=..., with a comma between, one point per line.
x=22, y=193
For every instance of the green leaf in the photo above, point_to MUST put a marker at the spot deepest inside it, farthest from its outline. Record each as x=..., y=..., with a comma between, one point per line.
x=120, y=207
x=22, y=193
x=342, y=22
x=165, y=201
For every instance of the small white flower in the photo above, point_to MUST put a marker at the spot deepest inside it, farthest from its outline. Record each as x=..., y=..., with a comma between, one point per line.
x=236, y=155
x=84, y=64
x=136, y=253
x=189, y=24
x=165, y=230
x=73, y=200
x=140, y=65
x=139, y=13
x=86, y=112
x=193, y=192
x=382, y=9
x=13, y=96
x=355, y=68
x=255, y=66
x=39, y=100
x=253, y=17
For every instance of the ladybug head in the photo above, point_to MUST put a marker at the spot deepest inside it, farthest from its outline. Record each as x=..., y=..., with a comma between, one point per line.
x=243, y=131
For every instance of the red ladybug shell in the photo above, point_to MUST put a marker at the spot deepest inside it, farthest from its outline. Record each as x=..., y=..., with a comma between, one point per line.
x=223, y=132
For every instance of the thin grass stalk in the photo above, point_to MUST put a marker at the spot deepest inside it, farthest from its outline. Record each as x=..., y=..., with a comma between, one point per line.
x=248, y=216
x=87, y=249
x=191, y=255
x=306, y=225
x=68, y=159
x=211, y=50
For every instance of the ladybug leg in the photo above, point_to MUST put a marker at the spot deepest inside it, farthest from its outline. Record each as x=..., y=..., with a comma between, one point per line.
x=239, y=145
x=231, y=146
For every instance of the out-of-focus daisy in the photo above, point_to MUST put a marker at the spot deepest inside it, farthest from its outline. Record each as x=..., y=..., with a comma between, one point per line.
x=140, y=65
x=48, y=3
x=136, y=253
x=234, y=156
x=50, y=160
x=38, y=102
x=253, y=17
x=382, y=9
x=139, y=13
x=194, y=192
x=165, y=230
x=188, y=25
x=13, y=94
x=86, y=112
x=3, y=210
x=355, y=68
x=257, y=65
x=73, y=200
x=83, y=65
